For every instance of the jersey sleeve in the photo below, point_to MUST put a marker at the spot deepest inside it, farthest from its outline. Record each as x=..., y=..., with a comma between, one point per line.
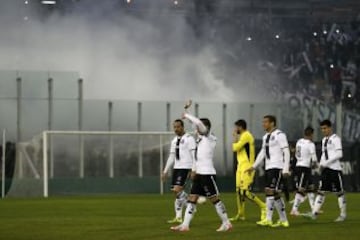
x=199, y=124
x=338, y=152
x=313, y=153
x=337, y=144
x=282, y=140
x=172, y=147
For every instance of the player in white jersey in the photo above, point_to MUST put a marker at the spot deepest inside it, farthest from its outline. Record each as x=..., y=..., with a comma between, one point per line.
x=275, y=151
x=331, y=171
x=204, y=175
x=182, y=153
x=306, y=159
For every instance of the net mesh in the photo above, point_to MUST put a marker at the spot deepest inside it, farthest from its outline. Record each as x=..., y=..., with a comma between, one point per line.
x=90, y=163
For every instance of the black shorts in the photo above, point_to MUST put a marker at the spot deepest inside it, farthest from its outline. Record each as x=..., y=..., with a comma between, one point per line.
x=274, y=179
x=179, y=177
x=204, y=185
x=303, y=177
x=331, y=180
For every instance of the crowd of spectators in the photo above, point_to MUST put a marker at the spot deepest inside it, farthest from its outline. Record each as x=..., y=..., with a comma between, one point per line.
x=319, y=59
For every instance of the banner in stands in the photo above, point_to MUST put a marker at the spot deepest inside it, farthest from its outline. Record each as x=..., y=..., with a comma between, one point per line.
x=351, y=121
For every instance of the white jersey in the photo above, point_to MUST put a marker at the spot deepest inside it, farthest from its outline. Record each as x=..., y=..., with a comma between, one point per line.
x=204, y=157
x=331, y=152
x=181, y=152
x=273, y=148
x=305, y=153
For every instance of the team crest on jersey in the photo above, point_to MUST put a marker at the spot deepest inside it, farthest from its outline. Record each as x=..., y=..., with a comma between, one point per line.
x=329, y=142
x=182, y=141
x=272, y=138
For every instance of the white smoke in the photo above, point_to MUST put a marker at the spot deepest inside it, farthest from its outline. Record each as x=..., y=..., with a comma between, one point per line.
x=119, y=56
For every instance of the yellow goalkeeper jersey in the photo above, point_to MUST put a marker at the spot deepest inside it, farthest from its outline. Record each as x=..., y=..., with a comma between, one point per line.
x=245, y=149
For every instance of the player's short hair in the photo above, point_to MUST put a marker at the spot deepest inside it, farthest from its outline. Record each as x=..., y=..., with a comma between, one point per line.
x=271, y=119
x=206, y=122
x=308, y=131
x=241, y=123
x=179, y=121
x=326, y=122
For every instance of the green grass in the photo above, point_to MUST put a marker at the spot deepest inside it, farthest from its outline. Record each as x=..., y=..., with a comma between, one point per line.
x=144, y=217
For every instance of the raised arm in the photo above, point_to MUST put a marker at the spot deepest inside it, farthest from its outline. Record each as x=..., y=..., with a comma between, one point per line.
x=199, y=124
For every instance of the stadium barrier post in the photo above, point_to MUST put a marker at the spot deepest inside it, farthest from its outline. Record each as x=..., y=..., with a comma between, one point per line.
x=225, y=146
x=3, y=164
x=314, y=123
x=50, y=121
x=140, y=152
x=80, y=126
x=161, y=165
x=45, y=164
x=251, y=117
x=278, y=115
x=19, y=123
x=196, y=109
x=168, y=117
x=339, y=119
x=111, y=141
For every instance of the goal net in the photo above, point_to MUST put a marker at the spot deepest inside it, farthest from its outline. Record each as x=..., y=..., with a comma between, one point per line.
x=90, y=162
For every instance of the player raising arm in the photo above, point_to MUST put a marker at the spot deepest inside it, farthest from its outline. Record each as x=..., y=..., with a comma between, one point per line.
x=204, y=176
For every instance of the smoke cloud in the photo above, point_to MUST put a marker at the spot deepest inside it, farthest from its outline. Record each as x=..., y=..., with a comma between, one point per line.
x=142, y=56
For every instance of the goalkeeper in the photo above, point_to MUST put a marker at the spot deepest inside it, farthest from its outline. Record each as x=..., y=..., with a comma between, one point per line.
x=244, y=146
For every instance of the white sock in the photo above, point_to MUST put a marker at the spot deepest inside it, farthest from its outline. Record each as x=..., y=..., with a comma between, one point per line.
x=189, y=214
x=280, y=207
x=311, y=197
x=269, y=207
x=180, y=203
x=319, y=201
x=221, y=211
x=342, y=205
x=297, y=201
x=178, y=208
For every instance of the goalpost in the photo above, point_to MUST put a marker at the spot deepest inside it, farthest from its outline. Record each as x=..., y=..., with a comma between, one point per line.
x=118, y=149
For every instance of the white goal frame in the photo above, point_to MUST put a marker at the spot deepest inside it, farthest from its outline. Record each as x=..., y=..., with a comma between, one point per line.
x=47, y=161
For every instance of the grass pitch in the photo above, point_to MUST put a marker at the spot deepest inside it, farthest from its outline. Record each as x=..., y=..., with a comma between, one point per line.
x=144, y=217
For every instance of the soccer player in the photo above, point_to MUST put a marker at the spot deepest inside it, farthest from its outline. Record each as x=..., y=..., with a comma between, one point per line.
x=244, y=146
x=182, y=152
x=275, y=151
x=305, y=159
x=331, y=171
x=204, y=175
